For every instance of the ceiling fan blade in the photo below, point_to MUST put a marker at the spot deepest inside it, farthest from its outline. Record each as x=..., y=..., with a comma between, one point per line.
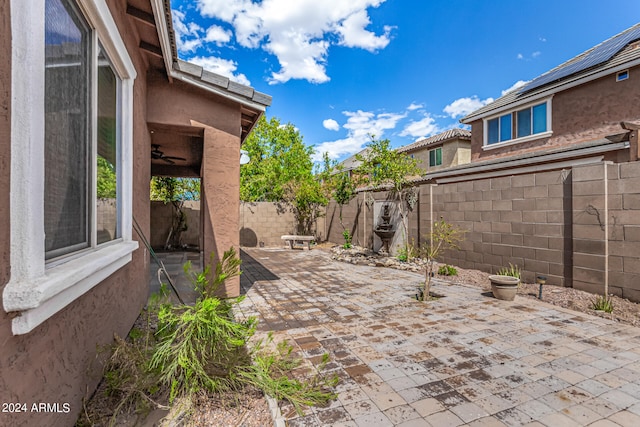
x=173, y=158
x=166, y=159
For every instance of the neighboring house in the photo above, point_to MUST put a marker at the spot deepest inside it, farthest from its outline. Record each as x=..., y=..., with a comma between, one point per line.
x=444, y=150
x=86, y=88
x=583, y=100
x=350, y=164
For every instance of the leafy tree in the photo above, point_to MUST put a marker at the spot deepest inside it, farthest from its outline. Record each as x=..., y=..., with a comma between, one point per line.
x=106, y=185
x=443, y=236
x=307, y=199
x=175, y=191
x=169, y=189
x=281, y=170
x=339, y=185
x=382, y=166
x=278, y=157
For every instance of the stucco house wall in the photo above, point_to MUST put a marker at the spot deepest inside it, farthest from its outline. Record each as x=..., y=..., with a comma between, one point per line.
x=454, y=153
x=586, y=112
x=56, y=362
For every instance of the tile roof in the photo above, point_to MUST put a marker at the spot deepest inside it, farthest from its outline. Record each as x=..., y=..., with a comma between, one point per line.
x=212, y=81
x=352, y=162
x=457, y=133
x=629, y=55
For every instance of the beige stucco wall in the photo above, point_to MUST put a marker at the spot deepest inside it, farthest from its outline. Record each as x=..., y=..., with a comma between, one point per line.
x=583, y=113
x=454, y=152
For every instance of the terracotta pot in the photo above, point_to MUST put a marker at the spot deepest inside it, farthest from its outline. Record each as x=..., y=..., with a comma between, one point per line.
x=504, y=287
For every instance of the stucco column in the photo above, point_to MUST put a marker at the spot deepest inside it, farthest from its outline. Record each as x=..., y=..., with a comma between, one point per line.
x=221, y=199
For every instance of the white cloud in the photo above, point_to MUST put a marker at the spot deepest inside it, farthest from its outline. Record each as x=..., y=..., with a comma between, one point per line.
x=516, y=85
x=534, y=55
x=218, y=35
x=421, y=128
x=353, y=33
x=360, y=125
x=221, y=66
x=296, y=32
x=330, y=124
x=414, y=106
x=188, y=37
x=463, y=106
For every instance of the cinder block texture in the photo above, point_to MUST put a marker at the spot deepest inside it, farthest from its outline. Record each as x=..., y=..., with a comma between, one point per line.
x=550, y=222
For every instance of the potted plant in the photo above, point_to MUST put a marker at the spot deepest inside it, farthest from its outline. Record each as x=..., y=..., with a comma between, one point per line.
x=504, y=285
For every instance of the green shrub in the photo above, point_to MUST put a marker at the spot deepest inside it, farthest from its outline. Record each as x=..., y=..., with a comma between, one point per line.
x=347, y=239
x=512, y=270
x=408, y=253
x=602, y=303
x=203, y=349
x=447, y=270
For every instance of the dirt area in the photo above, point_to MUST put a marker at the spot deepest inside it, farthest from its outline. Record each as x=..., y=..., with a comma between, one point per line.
x=249, y=410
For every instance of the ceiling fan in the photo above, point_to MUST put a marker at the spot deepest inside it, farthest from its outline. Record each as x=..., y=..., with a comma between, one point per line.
x=157, y=154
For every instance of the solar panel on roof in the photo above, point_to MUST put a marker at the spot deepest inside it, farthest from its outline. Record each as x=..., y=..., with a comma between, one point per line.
x=600, y=54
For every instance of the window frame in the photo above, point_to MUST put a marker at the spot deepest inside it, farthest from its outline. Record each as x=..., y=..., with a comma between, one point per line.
x=622, y=75
x=435, y=151
x=38, y=289
x=513, y=114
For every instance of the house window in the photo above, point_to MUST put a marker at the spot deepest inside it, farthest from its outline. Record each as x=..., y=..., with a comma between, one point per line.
x=500, y=129
x=67, y=130
x=622, y=75
x=70, y=197
x=521, y=124
x=72, y=145
x=532, y=120
x=435, y=157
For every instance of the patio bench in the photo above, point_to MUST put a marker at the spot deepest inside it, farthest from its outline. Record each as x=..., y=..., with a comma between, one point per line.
x=292, y=239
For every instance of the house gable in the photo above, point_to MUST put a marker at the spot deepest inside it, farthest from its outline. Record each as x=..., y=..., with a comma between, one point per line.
x=562, y=107
x=446, y=149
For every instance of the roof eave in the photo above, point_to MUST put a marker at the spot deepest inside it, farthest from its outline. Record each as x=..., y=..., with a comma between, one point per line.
x=195, y=75
x=536, y=159
x=550, y=90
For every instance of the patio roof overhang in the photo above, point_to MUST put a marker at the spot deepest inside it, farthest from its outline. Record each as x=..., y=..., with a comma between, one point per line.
x=153, y=23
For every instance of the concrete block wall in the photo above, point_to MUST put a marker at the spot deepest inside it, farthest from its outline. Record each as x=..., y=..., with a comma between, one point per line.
x=517, y=219
x=553, y=223
x=161, y=220
x=106, y=218
x=262, y=224
x=352, y=216
x=606, y=228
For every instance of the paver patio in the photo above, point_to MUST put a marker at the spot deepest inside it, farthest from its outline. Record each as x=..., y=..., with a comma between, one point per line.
x=465, y=359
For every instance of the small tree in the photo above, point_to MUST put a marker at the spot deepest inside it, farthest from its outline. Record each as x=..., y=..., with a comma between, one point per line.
x=443, y=236
x=175, y=191
x=339, y=185
x=307, y=200
x=383, y=166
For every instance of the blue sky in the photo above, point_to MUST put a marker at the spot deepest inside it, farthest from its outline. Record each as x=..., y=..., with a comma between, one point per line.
x=340, y=70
